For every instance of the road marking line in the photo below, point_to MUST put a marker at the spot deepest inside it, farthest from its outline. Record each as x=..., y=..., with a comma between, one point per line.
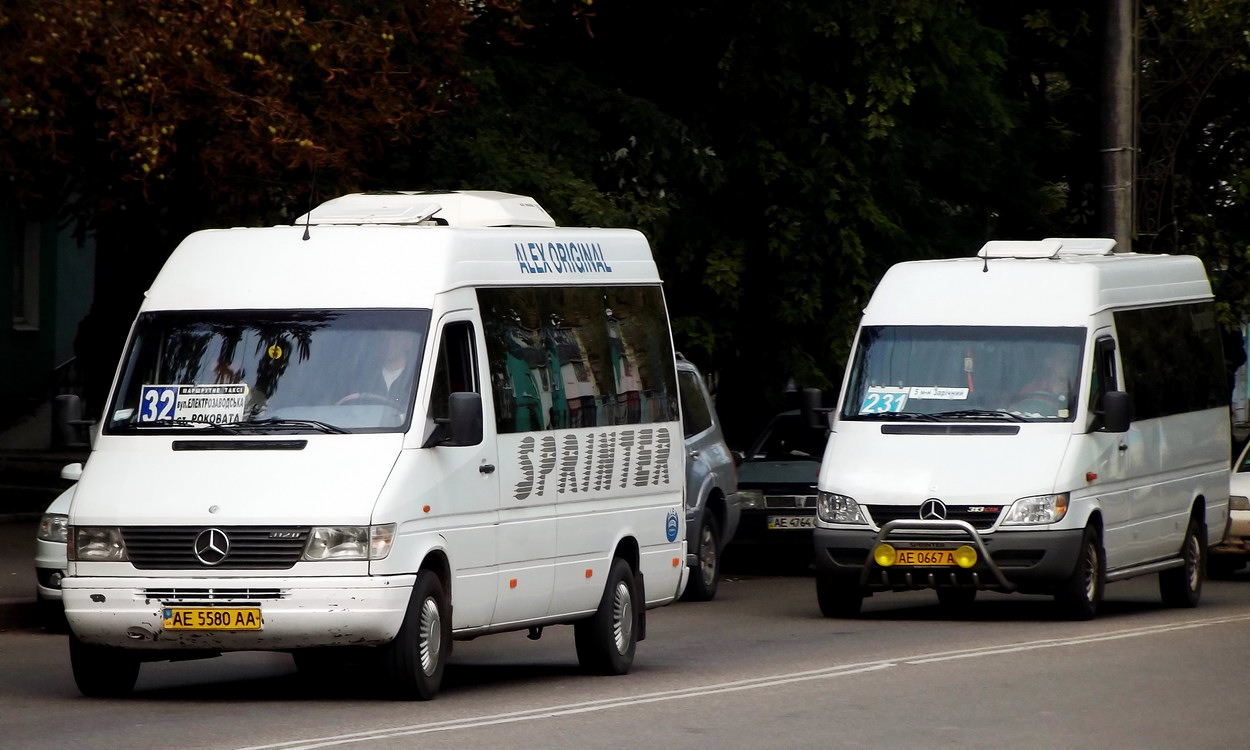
x=844, y=670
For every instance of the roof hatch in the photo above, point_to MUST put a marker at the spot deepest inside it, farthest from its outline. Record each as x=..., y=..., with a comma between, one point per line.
x=461, y=208
x=1051, y=247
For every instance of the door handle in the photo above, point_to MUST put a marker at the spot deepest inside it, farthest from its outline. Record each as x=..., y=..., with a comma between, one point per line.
x=1123, y=446
x=694, y=454
x=486, y=468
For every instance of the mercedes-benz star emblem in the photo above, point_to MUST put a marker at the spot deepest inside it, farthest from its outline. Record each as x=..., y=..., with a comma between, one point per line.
x=212, y=546
x=932, y=509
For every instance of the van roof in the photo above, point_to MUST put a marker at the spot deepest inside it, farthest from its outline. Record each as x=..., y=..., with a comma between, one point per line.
x=1006, y=285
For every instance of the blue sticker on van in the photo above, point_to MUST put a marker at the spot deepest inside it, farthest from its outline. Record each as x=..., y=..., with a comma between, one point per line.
x=670, y=525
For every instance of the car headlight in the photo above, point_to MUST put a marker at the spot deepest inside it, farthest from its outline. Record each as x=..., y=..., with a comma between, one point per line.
x=349, y=542
x=834, y=508
x=96, y=544
x=1237, y=502
x=1038, y=509
x=52, y=527
x=750, y=499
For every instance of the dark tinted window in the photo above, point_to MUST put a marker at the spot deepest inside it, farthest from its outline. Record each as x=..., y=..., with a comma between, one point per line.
x=565, y=357
x=1172, y=358
x=695, y=417
x=455, y=371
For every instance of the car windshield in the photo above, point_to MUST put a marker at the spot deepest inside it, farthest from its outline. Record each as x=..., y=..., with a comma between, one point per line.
x=791, y=437
x=965, y=373
x=313, y=371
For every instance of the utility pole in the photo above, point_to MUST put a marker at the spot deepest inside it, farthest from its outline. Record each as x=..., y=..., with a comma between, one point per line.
x=1119, y=123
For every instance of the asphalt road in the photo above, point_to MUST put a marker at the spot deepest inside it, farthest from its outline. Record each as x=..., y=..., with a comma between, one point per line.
x=756, y=668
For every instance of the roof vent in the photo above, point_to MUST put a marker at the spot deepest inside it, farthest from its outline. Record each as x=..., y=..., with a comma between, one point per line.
x=1051, y=247
x=464, y=208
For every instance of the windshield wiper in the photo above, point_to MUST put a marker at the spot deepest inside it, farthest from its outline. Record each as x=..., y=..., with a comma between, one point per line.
x=992, y=413
x=275, y=422
x=189, y=424
x=914, y=416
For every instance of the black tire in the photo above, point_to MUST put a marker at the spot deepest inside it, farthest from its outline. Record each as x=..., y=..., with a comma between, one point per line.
x=956, y=598
x=705, y=579
x=1182, y=587
x=606, y=640
x=1079, y=596
x=836, y=598
x=1222, y=567
x=415, y=660
x=100, y=671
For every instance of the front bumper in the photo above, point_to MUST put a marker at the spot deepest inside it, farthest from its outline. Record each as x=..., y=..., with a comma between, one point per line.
x=1025, y=561
x=754, y=527
x=49, y=568
x=295, y=612
x=1237, y=537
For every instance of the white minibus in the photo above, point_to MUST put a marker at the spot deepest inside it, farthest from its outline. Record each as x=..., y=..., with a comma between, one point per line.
x=1045, y=418
x=410, y=418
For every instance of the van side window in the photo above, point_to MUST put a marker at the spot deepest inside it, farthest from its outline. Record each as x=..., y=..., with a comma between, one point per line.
x=1173, y=359
x=695, y=417
x=564, y=357
x=456, y=368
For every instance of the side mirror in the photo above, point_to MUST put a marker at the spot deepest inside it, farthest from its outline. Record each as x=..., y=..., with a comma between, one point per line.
x=71, y=472
x=466, y=418
x=1117, y=411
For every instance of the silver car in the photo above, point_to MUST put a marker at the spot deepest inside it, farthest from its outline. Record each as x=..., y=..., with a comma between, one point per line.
x=711, y=484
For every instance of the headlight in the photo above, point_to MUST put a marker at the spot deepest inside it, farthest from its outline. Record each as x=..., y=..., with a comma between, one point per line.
x=1235, y=502
x=350, y=542
x=52, y=527
x=750, y=499
x=96, y=544
x=1038, y=509
x=838, y=509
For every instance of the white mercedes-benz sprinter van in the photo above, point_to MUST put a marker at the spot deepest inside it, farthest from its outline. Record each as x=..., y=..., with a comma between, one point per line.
x=1044, y=418
x=410, y=418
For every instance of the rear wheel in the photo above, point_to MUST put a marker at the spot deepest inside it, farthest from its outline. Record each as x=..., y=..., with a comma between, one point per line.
x=705, y=579
x=606, y=640
x=838, y=599
x=100, y=671
x=1079, y=596
x=1182, y=587
x=415, y=660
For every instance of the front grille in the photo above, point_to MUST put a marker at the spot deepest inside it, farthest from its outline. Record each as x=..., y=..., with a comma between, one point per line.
x=251, y=547
x=208, y=595
x=981, y=517
x=789, y=501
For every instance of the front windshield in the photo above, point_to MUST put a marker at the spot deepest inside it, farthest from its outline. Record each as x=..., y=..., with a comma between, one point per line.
x=270, y=371
x=965, y=373
x=793, y=437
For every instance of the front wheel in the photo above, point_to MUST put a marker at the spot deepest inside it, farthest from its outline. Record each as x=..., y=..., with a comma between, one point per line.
x=1079, y=596
x=705, y=579
x=607, y=639
x=100, y=671
x=415, y=660
x=838, y=599
x=1182, y=587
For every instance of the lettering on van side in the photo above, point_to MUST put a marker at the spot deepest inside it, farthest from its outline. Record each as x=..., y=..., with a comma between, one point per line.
x=595, y=461
x=560, y=257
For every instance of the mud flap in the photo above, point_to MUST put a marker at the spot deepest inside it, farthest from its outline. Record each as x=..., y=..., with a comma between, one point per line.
x=640, y=596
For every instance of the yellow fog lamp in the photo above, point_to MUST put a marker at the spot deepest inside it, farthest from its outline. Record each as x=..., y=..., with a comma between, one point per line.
x=884, y=554
x=965, y=556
